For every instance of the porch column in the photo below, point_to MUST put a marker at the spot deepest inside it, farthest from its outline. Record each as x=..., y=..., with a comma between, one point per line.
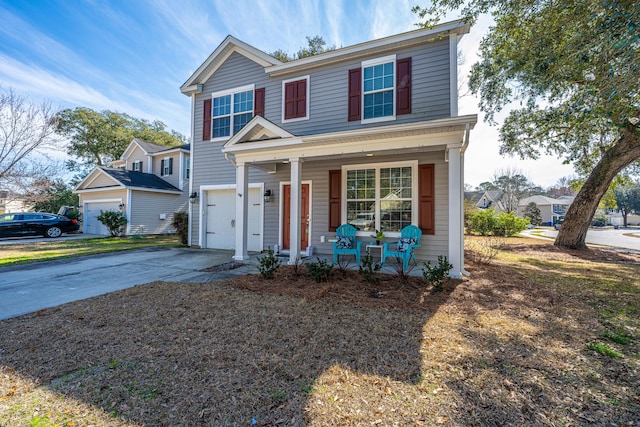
x=296, y=192
x=242, y=205
x=456, y=226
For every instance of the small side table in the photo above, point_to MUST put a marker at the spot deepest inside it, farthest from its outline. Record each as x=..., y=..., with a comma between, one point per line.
x=374, y=246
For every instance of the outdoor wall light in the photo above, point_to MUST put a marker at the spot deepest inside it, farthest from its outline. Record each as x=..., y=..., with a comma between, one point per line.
x=121, y=205
x=193, y=196
x=267, y=196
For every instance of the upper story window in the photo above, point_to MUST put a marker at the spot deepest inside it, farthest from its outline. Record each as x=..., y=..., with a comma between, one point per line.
x=231, y=111
x=378, y=88
x=166, y=166
x=136, y=166
x=295, y=99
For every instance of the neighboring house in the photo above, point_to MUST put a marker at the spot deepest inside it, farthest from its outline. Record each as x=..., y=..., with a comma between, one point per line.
x=283, y=153
x=9, y=202
x=551, y=210
x=148, y=183
x=486, y=199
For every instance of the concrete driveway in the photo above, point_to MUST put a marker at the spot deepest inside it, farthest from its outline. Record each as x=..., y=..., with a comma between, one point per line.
x=32, y=287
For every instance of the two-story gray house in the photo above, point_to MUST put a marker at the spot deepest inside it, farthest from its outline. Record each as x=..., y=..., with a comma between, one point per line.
x=283, y=153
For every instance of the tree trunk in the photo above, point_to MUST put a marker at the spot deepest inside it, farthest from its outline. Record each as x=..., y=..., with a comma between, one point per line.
x=579, y=215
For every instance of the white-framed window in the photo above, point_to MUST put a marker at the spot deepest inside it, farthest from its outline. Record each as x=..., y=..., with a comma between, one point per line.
x=166, y=166
x=187, y=167
x=295, y=99
x=137, y=166
x=231, y=110
x=379, y=89
x=381, y=196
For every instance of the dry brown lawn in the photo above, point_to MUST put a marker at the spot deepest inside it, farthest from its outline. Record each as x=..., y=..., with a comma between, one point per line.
x=515, y=344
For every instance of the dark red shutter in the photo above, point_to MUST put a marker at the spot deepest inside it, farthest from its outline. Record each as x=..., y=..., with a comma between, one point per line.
x=403, y=86
x=258, y=102
x=335, y=193
x=206, y=120
x=355, y=84
x=289, y=100
x=295, y=99
x=301, y=98
x=426, y=199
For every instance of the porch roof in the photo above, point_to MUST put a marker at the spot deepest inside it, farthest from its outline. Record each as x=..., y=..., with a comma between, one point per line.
x=262, y=142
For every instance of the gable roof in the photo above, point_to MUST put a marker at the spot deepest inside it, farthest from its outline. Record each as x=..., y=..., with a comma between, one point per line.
x=275, y=67
x=149, y=148
x=543, y=200
x=129, y=179
x=228, y=46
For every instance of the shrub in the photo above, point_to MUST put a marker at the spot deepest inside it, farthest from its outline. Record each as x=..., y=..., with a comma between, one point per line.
x=320, y=271
x=509, y=224
x=533, y=213
x=483, y=221
x=437, y=274
x=114, y=221
x=181, y=223
x=368, y=268
x=483, y=250
x=268, y=264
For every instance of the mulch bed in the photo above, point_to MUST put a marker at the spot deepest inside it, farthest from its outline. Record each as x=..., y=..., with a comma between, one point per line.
x=496, y=349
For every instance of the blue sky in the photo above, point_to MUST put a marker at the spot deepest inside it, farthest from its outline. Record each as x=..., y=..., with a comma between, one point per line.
x=132, y=56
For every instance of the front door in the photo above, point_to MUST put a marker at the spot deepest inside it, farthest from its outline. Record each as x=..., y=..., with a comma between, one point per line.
x=304, y=217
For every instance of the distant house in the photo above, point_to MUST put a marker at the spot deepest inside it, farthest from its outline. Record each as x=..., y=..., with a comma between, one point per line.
x=148, y=183
x=10, y=202
x=486, y=199
x=551, y=210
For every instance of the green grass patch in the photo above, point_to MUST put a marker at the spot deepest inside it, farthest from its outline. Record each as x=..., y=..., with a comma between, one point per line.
x=618, y=338
x=23, y=253
x=604, y=349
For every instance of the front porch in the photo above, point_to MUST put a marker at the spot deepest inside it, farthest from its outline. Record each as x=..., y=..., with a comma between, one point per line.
x=263, y=145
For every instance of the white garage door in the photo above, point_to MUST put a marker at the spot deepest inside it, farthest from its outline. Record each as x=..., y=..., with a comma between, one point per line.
x=90, y=224
x=221, y=219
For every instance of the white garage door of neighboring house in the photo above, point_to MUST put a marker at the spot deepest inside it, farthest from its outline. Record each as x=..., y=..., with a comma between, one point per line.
x=221, y=219
x=90, y=223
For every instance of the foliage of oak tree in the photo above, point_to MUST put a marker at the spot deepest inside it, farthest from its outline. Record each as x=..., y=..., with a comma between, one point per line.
x=571, y=67
x=315, y=45
x=98, y=138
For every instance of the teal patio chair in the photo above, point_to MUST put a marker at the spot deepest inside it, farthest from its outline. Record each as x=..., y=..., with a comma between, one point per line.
x=404, y=247
x=346, y=243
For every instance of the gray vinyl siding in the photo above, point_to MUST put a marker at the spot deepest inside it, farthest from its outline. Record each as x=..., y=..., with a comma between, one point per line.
x=430, y=91
x=146, y=208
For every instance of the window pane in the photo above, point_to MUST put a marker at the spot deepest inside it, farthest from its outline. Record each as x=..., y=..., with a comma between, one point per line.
x=395, y=214
x=243, y=101
x=240, y=120
x=221, y=127
x=379, y=104
x=361, y=215
x=222, y=105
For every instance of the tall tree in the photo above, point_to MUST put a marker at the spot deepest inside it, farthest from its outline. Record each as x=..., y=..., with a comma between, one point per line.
x=315, y=45
x=25, y=127
x=628, y=201
x=514, y=186
x=48, y=195
x=98, y=138
x=573, y=67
